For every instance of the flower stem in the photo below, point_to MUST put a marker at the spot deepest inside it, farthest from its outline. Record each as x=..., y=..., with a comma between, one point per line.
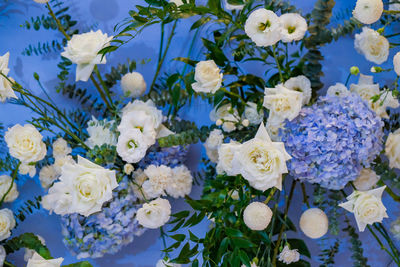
x=277, y=64
x=305, y=197
x=14, y=176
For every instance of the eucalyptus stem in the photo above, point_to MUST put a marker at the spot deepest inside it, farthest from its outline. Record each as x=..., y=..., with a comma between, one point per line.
x=277, y=64
x=14, y=176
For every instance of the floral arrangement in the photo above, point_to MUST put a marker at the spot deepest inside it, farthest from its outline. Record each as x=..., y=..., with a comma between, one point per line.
x=110, y=168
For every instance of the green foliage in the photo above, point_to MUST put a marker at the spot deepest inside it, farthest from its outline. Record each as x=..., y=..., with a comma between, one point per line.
x=103, y=155
x=327, y=256
x=188, y=137
x=44, y=48
x=116, y=73
x=356, y=246
x=27, y=240
x=28, y=208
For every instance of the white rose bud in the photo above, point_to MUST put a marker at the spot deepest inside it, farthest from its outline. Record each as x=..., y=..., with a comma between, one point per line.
x=314, y=223
x=257, y=216
x=366, y=180
x=154, y=214
x=392, y=149
x=219, y=122
x=245, y=123
x=368, y=11
x=39, y=261
x=27, y=169
x=128, y=169
x=208, y=77
x=133, y=84
x=5, y=182
x=7, y=223
x=289, y=256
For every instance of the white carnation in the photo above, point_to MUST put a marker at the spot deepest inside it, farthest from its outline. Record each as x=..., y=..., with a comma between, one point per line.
x=289, y=256
x=367, y=207
x=133, y=84
x=396, y=62
x=392, y=149
x=372, y=45
x=25, y=143
x=39, y=261
x=100, y=133
x=368, y=11
x=5, y=183
x=158, y=179
x=83, y=50
x=257, y=216
x=6, y=90
x=61, y=148
x=7, y=223
x=253, y=115
x=339, y=89
x=366, y=180
x=207, y=76
x=300, y=84
x=263, y=27
x=132, y=146
x=293, y=27
x=314, y=223
x=180, y=183
x=225, y=157
x=47, y=176
x=86, y=185
x=27, y=169
x=154, y=214
x=29, y=252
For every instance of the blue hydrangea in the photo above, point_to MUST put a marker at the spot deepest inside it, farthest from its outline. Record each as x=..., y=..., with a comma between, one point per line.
x=105, y=232
x=169, y=156
x=331, y=141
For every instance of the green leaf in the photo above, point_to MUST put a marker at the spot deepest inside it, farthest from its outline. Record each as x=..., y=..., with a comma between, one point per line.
x=79, y=264
x=300, y=245
x=27, y=240
x=178, y=237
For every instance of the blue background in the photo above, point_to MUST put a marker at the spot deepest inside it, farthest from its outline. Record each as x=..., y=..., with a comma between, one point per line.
x=104, y=14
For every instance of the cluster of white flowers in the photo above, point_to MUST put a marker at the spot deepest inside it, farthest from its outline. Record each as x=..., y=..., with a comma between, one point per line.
x=265, y=28
x=5, y=183
x=208, y=77
x=156, y=181
x=226, y=116
x=367, y=206
x=7, y=223
x=154, y=214
x=6, y=90
x=368, y=11
x=314, y=223
x=83, y=188
x=372, y=45
x=133, y=84
x=289, y=256
x=39, y=261
x=83, y=50
x=100, y=133
x=366, y=89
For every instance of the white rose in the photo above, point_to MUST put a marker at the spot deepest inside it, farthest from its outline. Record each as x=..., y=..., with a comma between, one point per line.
x=163, y=263
x=257, y=216
x=86, y=185
x=392, y=149
x=314, y=223
x=180, y=183
x=3, y=255
x=6, y=90
x=27, y=169
x=83, y=50
x=214, y=139
x=252, y=115
x=263, y=27
x=100, y=133
x=39, y=261
x=158, y=179
x=225, y=157
x=5, y=183
x=366, y=180
x=133, y=84
x=339, y=89
x=132, y=146
x=60, y=162
x=207, y=76
x=293, y=27
x=154, y=214
x=282, y=102
x=7, y=223
x=149, y=108
x=61, y=148
x=261, y=161
x=289, y=256
x=29, y=252
x=396, y=62
x=300, y=84
x=368, y=11
x=367, y=207
x=25, y=143
x=372, y=45
x=47, y=176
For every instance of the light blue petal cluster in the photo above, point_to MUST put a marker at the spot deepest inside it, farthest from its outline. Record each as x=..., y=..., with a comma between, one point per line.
x=331, y=141
x=169, y=156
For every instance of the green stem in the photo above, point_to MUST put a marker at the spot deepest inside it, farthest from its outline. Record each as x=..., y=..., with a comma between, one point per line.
x=102, y=95
x=277, y=64
x=270, y=195
x=305, y=197
x=6, y=263
x=14, y=176
x=348, y=78
x=163, y=239
x=232, y=94
x=103, y=84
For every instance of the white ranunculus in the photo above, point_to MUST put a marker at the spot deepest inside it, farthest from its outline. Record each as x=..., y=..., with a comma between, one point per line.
x=163, y=263
x=6, y=90
x=257, y=216
x=25, y=143
x=83, y=50
x=261, y=161
x=366, y=180
x=158, y=179
x=29, y=252
x=133, y=84
x=27, y=169
x=100, y=133
x=7, y=223
x=367, y=207
x=314, y=223
x=252, y=114
x=263, y=27
x=207, y=76
x=86, y=185
x=392, y=149
x=132, y=145
x=372, y=45
x=47, y=176
x=282, y=102
x=3, y=255
x=396, y=63
x=289, y=256
x=339, y=89
x=368, y=11
x=148, y=107
x=293, y=27
x=5, y=183
x=180, y=183
x=154, y=214
x=61, y=148
x=300, y=84
x=39, y=261
x=225, y=157
x=232, y=6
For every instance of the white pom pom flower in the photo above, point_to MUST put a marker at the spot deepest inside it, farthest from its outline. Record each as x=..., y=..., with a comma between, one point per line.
x=314, y=223
x=257, y=216
x=368, y=11
x=133, y=84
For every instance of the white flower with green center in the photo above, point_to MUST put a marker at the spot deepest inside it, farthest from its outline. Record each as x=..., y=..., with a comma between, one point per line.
x=132, y=145
x=293, y=27
x=263, y=27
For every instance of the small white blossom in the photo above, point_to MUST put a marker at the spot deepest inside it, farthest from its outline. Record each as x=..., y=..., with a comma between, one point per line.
x=6, y=90
x=100, y=133
x=133, y=84
x=293, y=27
x=253, y=115
x=396, y=62
x=225, y=157
x=7, y=223
x=128, y=169
x=289, y=256
x=208, y=77
x=314, y=223
x=47, y=176
x=392, y=149
x=61, y=148
x=263, y=27
x=366, y=180
x=27, y=169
